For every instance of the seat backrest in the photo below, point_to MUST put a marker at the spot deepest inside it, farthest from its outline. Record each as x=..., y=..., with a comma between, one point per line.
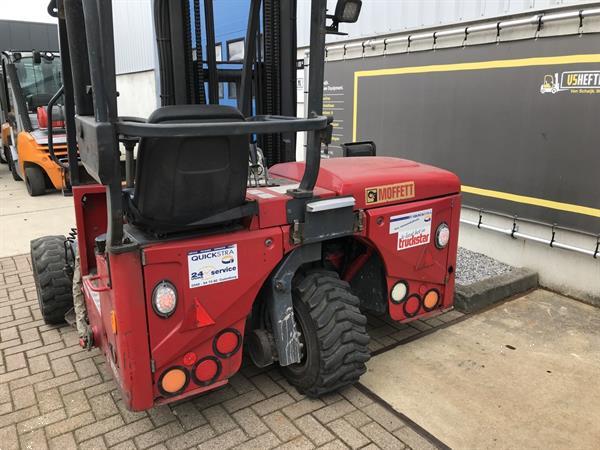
x=184, y=180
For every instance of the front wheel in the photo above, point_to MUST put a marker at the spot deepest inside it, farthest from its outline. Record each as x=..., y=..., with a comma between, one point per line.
x=35, y=181
x=52, y=281
x=333, y=334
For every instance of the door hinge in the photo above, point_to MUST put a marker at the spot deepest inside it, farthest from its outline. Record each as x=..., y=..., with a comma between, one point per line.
x=359, y=221
x=152, y=366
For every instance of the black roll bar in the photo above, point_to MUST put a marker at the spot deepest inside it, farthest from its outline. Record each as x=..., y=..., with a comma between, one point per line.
x=252, y=125
x=318, y=16
x=211, y=54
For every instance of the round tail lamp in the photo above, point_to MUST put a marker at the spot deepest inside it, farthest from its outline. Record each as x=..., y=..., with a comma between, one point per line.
x=173, y=381
x=431, y=300
x=227, y=342
x=399, y=292
x=206, y=371
x=412, y=305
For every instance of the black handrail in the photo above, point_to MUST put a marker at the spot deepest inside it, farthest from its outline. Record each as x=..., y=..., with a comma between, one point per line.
x=50, y=106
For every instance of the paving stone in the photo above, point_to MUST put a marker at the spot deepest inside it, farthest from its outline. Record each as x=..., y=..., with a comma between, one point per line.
x=70, y=424
x=250, y=422
x=9, y=438
x=272, y=404
x=241, y=384
x=281, y=426
x=316, y=432
x=30, y=380
x=224, y=441
x=158, y=435
x=127, y=415
x=38, y=364
x=334, y=411
x=219, y=419
x=300, y=443
x=56, y=382
x=347, y=433
x=86, y=368
x=191, y=438
x=264, y=441
x=64, y=442
x=21, y=373
x=334, y=445
x=16, y=361
x=98, y=428
x=161, y=414
x=385, y=418
x=76, y=403
x=96, y=443
x=81, y=384
x=381, y=437
x=243, y=400
x=41, y=421
x=413, y=439
x=127, y=445
x=188, y=415
x=357, y=419
x=33, y=440
x=103, y=406
x=128, y=431
x=266, y=385
x=354, y=396
x=24, y=397
x=50, y=400
x=304, y=406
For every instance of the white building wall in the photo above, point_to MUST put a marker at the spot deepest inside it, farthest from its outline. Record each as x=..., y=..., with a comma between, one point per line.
x=379, y=17
x=137, y=93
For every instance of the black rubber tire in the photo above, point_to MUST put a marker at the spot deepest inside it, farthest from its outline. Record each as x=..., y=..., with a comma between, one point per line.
x=333, y=332
x=11, y=164
x=54, y=286
x=35, y=181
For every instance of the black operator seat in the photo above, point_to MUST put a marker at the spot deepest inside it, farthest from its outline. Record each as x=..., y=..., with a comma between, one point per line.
x=183, y=183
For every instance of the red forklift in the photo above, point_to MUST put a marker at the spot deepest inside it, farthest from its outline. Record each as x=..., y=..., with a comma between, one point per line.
x=213, y=242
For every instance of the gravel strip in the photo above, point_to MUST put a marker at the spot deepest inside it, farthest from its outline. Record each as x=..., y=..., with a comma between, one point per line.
x=472, y=267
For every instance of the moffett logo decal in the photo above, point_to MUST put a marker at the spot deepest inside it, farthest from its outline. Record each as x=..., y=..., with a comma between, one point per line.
x=575, y=82
x=213, y=265
x=389, y=193
x=413, y=229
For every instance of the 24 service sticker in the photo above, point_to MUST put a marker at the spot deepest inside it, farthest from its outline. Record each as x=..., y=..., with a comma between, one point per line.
x=213, y=265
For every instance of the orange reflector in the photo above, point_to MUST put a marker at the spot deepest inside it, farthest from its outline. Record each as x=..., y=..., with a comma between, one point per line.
x=113, y=322
x=431, y=300
x=173, y=381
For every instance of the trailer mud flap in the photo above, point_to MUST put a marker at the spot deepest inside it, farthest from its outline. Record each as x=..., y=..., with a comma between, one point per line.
x=280, y=306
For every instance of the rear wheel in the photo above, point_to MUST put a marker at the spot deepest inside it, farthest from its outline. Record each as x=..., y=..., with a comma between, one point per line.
x=11, y=164
x=53, y=284
x=35, y=180
x=333, y=334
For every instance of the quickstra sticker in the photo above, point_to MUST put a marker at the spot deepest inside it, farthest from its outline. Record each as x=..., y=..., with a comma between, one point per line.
x=213, y=265
x=389, y=192
x=413, y=229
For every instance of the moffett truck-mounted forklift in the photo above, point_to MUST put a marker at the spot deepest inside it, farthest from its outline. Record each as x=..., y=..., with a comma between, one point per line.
x=32, y=137
x=210, y=254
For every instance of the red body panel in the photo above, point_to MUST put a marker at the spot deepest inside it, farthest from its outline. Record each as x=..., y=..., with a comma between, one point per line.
x=140, y=345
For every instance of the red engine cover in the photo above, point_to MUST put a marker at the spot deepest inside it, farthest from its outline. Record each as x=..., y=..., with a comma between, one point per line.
x=394, y=180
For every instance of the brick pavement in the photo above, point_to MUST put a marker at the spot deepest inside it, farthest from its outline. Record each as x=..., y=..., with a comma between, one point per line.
x=55, y=395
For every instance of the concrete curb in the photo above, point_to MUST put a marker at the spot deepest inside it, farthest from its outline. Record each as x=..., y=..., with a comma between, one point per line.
x=473, y=297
